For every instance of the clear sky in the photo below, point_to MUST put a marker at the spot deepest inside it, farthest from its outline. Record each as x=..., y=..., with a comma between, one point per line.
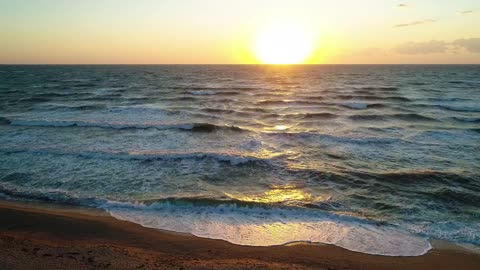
x=227, y=31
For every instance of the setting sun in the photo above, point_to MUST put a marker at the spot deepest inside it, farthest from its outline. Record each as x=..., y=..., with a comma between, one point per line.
x=283, y=44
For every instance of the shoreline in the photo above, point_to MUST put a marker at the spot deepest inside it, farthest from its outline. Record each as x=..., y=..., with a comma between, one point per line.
x=45, y=236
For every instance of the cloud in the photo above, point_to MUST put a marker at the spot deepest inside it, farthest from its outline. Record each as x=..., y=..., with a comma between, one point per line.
x=434, y=46
x=470, y=44
x=467, y=11
x=415, y=23
x=402, y=5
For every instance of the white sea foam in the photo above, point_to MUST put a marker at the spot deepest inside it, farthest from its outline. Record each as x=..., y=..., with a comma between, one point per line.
x=267, y=226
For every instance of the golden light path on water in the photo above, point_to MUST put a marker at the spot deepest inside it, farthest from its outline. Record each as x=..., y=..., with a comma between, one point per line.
x=287, y=194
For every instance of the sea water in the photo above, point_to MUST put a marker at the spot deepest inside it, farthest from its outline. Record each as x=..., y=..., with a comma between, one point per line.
x=375, y=159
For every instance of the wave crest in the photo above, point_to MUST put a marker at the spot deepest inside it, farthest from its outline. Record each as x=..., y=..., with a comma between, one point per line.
x=234, y=158
x=201, y=127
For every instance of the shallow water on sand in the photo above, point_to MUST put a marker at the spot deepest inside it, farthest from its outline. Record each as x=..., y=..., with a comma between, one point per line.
x=376, y=159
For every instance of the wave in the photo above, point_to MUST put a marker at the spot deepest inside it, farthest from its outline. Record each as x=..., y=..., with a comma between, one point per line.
x=409, y=117
x=52, y=95
x=225, y=111
x=250, y=224
x=307, y=116
x=311, y=97
x=369, y=117
x=459, y=108
x=109, y=98
x=35, y=99
x=446, y=99
x=398, y=99
x=206, y=127
x=376, y=106
x=46, y=195
x=140, y=110
x=183, y=98
x=84, y=84
x=467, y=119
x=267, y=226
x=359, y=106
x=355, y=105
x=323, y=115
x=289, y=102
x=194, y=127
x=74, y=107
x=425, y=176
x=4, y=121
x=339, y=139
x=381, y=88
x=202, y=92
x=228, y=93
x=255, y=109
x=233, y=158
x=453, y=196
x=359, y=97
x=350, y=105
x=373, y=98
x=218, y=87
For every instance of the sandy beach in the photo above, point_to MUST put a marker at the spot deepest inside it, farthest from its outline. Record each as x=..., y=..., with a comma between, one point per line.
x=62, y=238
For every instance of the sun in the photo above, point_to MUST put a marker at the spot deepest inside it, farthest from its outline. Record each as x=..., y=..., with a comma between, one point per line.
x=286, y=43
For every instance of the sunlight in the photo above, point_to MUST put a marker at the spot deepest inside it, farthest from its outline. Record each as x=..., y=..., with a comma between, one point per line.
x=280, y=127
x=288, y=194
x=283, y=43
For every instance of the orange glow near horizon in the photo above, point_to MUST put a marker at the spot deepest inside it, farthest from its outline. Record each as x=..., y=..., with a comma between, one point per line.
x=238, y=32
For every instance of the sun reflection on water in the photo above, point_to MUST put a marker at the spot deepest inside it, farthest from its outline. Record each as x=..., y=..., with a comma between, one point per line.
x=287, y=194
x=280, y=127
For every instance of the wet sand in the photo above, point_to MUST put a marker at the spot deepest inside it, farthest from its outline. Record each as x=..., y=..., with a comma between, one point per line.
x=47, y=238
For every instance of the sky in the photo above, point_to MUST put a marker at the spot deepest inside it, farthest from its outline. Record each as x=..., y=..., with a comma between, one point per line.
x=225, y=31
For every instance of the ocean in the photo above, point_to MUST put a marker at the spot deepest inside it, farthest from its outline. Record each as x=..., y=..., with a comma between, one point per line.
x=376, y=159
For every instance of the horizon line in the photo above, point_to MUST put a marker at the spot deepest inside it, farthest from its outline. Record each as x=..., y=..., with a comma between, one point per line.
x=259, y=64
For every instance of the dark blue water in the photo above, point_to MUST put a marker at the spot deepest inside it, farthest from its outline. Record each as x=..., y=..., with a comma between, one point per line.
x=377, y=159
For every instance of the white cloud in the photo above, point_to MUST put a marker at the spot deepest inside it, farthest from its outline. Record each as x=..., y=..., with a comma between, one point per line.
x=433, y=46
x=470, y=44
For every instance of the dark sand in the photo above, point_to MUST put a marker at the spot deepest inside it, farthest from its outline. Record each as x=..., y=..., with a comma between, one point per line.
x=40, y=238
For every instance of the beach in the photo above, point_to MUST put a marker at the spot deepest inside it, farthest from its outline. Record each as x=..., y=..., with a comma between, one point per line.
x=61, y=238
